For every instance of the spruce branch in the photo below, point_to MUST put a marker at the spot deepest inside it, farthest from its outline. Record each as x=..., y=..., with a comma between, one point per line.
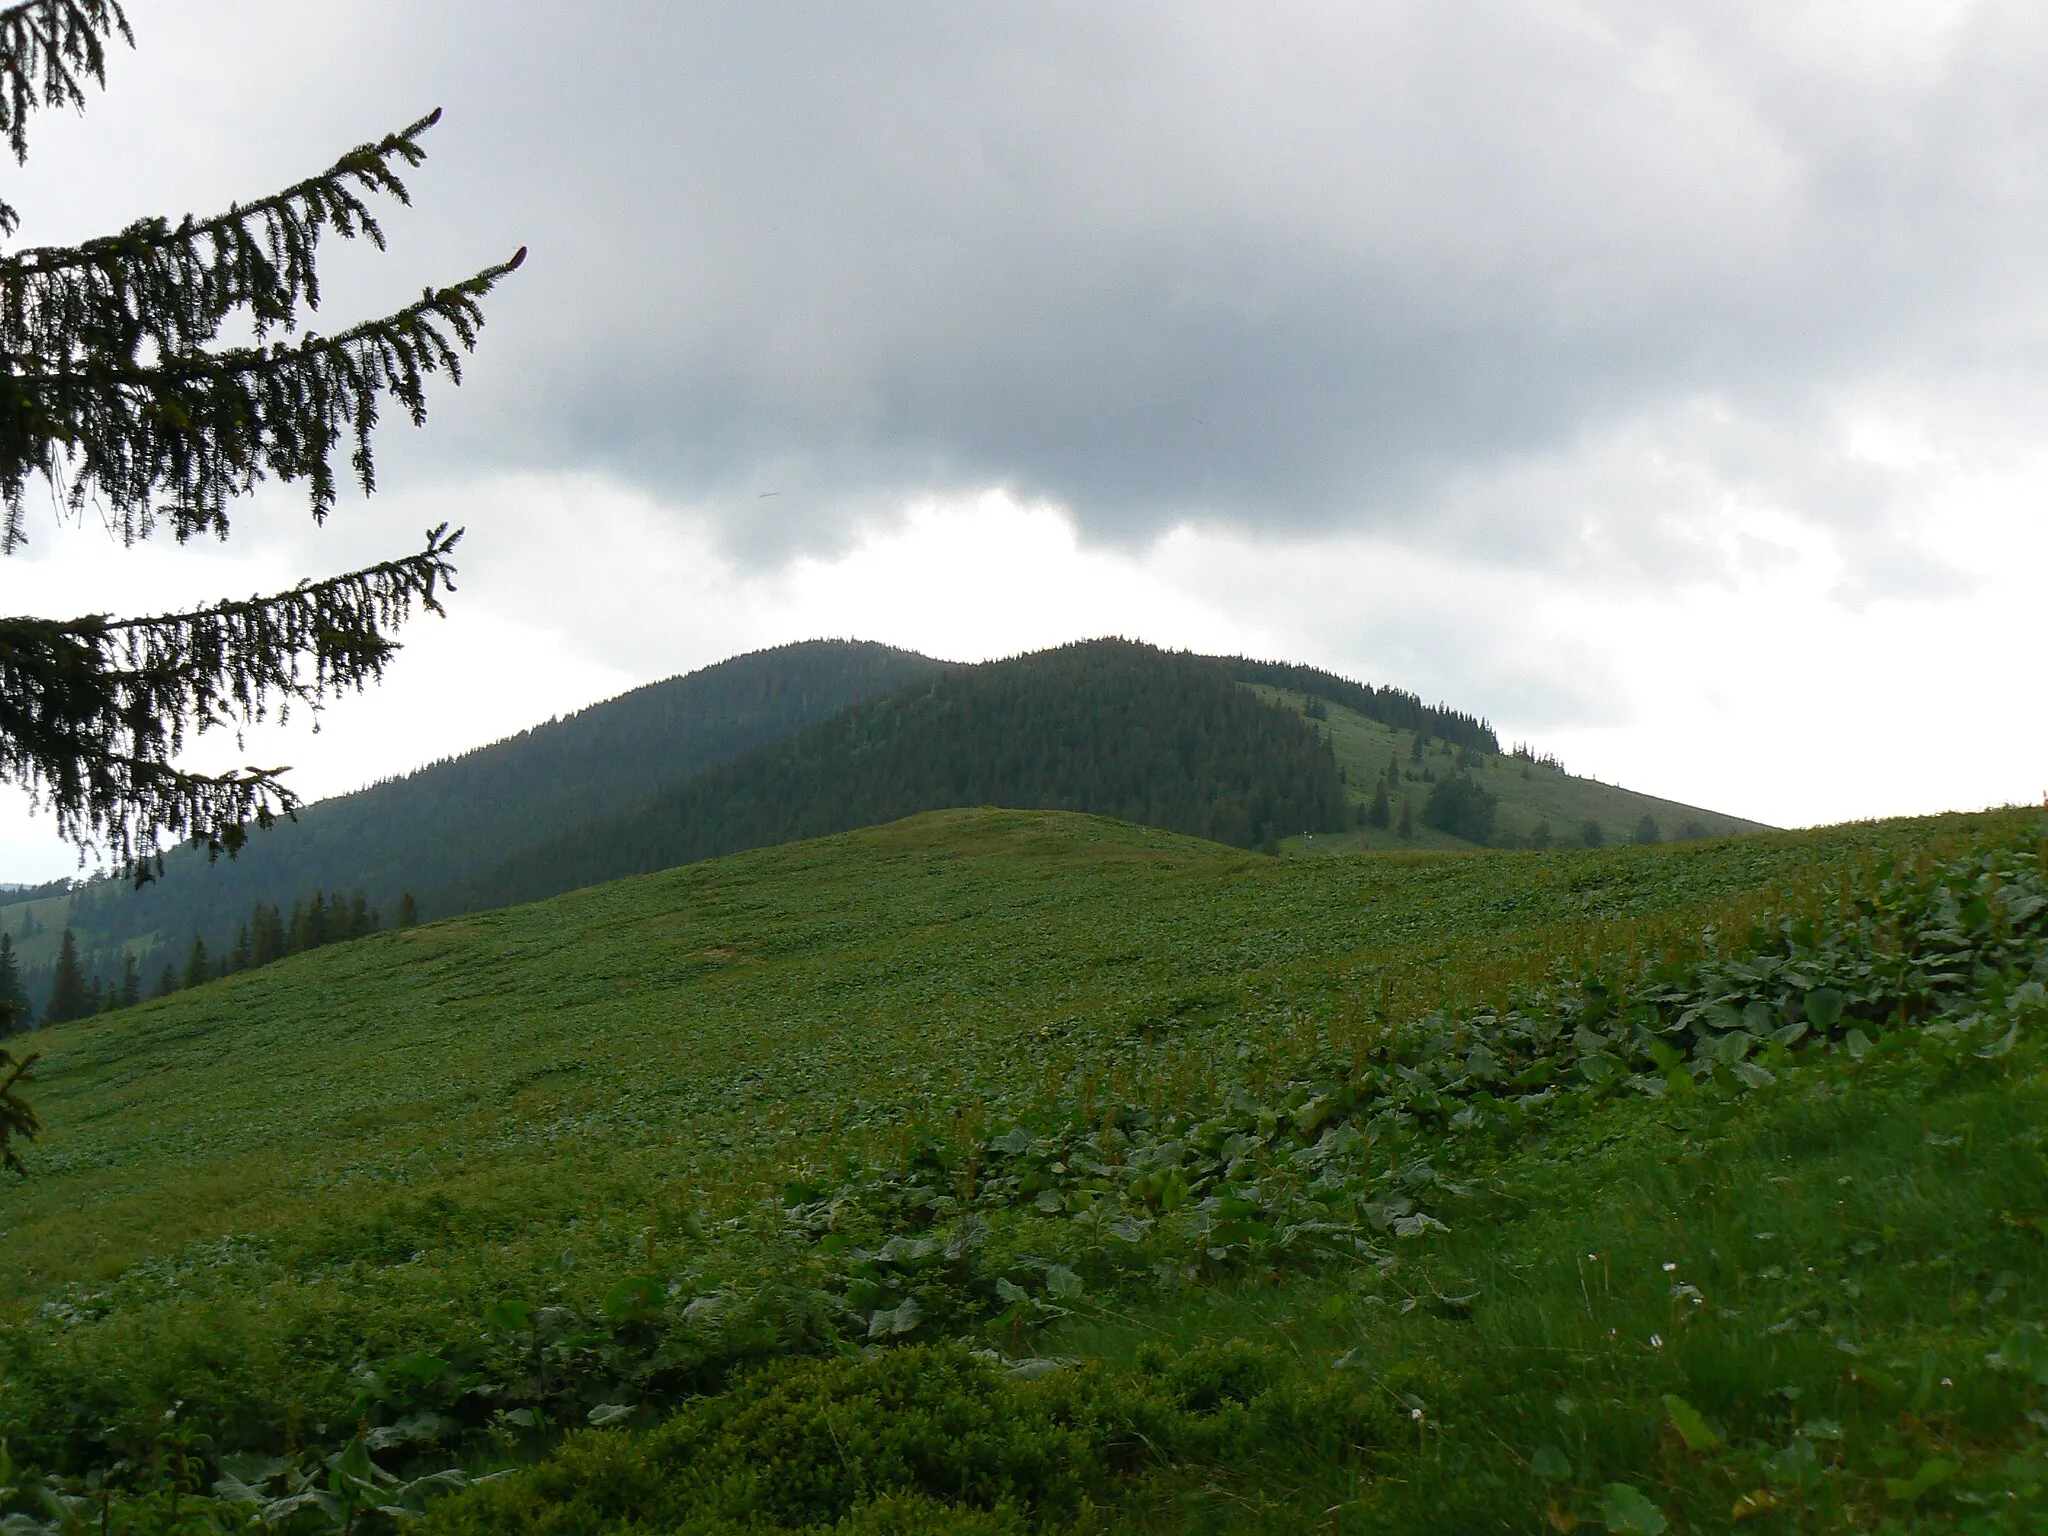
x=179, y=438
x=48, y=50
x=16, y=1118
x=94, y=710
x=164, y=289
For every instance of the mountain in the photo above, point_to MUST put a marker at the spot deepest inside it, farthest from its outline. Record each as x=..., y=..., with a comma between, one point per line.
x=714, y=761
x=1111, y=727
x=461, y=816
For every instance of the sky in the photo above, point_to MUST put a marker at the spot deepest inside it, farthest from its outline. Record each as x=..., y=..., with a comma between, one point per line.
x=1663, y=381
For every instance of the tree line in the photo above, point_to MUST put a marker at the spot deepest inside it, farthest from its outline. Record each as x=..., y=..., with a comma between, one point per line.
x=77, y=989
x=1394, y=707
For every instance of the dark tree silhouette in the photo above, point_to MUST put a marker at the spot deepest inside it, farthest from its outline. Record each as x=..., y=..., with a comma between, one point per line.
x=17, y=1120
x=69, y=998
x=1459, y=806
x=121, y=396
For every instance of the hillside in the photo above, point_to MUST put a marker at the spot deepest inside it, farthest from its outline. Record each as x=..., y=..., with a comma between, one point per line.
x=457, y=817
x=1107, y=726
x=1004, y=1172
x=1537, y=799
x=609, y=791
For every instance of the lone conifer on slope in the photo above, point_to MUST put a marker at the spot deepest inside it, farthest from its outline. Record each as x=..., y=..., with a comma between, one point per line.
x=67, y=986
x=117, y=392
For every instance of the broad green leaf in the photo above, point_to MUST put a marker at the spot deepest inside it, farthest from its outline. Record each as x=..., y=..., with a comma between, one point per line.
x=508, y=1316
x=1752, y=1075
x=2002, y=1046
x=1062, y=1282
x=1905, y=1490
x=1549, y=1463
x=1824, y=1007
x=634, y=1297
x=1857, y=1044
x=1697, y=1434
x=609, y=1413
x=1626, y=1510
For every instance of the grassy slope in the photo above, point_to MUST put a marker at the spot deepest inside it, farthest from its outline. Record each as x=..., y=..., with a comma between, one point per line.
x=708, y=1022
x=352, y=1153
x=1529, y=792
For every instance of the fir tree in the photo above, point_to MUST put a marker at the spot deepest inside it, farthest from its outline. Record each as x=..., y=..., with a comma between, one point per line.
x=1541, y=840
x=266, y=935
x=131, y=982
x=1406, y=828
x=167, y=983
x=68, y=999
x=196, y=972
x=1381, y=810
x=1459, y=806
x=1647, y=830
x=153, y=376
x=408, y=911
x=244, y=954
x=13, y=1000
x=1591, y=833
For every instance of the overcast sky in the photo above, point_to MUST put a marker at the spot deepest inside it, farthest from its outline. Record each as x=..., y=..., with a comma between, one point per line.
x=1664, y=381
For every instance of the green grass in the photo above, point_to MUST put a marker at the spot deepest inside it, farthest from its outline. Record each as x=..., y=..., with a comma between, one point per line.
x=470, y=1184
x=1530, y=793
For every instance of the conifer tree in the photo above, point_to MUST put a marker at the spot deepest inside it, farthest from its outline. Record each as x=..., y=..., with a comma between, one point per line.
x=167, y=983
x=67, y=987
x=408, y=911
x=13, y=1000
x=196, y=972
x=152, y=376
x=1380, y=812
x=131, y=982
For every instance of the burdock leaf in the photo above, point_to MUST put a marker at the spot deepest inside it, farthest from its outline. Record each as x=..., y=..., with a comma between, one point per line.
x=1824, y=1007
x=1627, y=1511
x=1697, y=1434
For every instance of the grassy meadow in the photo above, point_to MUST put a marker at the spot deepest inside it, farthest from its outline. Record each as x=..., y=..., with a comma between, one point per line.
x=1004, y=1171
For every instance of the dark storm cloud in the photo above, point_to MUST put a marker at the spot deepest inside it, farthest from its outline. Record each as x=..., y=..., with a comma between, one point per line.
x=1285, y=267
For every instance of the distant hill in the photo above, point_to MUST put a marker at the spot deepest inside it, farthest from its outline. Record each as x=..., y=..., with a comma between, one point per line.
x=825, y=736
x=1107, y=726
x=461, y=816
x=1536, y=801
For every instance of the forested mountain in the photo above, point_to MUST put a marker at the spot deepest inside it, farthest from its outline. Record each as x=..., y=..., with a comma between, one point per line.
x=825, y=736
x=1107, y=726
x=460, y=816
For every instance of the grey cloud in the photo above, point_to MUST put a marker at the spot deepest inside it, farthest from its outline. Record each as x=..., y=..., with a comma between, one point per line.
x=1288, y=267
